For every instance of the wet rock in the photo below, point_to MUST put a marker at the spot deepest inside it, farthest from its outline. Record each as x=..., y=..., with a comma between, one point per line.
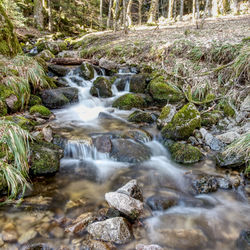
x=47, y=134
x=137, y=135
x=9, y=233
x=214, y=143
x=132, y=189
x=121, y=82
x=45, y=158
x=58, y=69
x=27, y=236
x=148, y=247
x=80, y=223
x=161, y=203
x=245, y=105
x=129, y=101
x=138, y=83
x=57, y=232
x=224, y=183
x=139, y=116
x=167, y=113
x=243, y=242
x=125, y=204
x=184, y=153
x=103, y=143
x=86, y=70
x=129, y=151
x=57, y=98
x=182, y=125
x=205, y=184
x=228, y=137
x=115, y=230
x=37, y=246
x=101, y=88
x=106, y=64
x=182, y=238
x=98, y=245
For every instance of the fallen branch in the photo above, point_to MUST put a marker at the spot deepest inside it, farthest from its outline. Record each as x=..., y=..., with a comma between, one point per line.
x=72, y=61
x=208, y=110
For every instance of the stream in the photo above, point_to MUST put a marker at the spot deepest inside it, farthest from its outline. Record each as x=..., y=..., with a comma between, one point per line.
x=203, y=221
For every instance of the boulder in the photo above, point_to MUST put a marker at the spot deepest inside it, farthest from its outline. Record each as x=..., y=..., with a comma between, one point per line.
x=230, y=159
x=86, y=70
x=183, y=123
x=161, y=203
x=138, y=83
x=205, y=184
x=45, y=158
x=138, y=135
x=228, y=137
x=184, y=153
x=58, y=70
x=129, y=151
x=210, y=140
x=115, y=230
x=57, y=98
x=121, y=82
x=46, y=55
x=101, y=88
x=41, y=110
x=127, y=205
x=129, y=101
x=132, y=189
x=103, y=143
x=164, y=91
x=166, y=115
x=106, y=64
x=139, y=116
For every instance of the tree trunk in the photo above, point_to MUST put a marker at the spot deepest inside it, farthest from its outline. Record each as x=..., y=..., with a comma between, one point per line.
x=139, y=12
x=198, y=9
x=50, y=16
x=194, y=10
x=181, y=9
x=215, y=11
x=170, y=9
x=101, y=13
x=116, y=13
x=129, y=13
x=38, y=14
x=110, y=13
x=125, y=16
x=175, y=12
x=153, y=11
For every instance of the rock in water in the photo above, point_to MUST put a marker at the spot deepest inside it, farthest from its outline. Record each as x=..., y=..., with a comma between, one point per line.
x=129, y=151
x=59, y=70
x=115, y=230
x=101, y=88
x=184, y=122
x=132, y=189
x=139, y=116
x=166, y=115
x=125, y=204
x=148, y=247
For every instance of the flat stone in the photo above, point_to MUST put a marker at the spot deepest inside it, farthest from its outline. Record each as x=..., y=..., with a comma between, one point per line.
x=27, y=236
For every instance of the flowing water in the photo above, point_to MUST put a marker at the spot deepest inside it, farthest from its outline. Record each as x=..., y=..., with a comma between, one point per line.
x=207, y=221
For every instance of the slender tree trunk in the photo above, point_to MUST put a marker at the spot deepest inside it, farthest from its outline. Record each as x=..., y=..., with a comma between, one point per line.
x=181, y=9
x=175, y=12
x=101, y=13
x=125, y=16
x=205, y=13
x=50, y=16
x=129, y=13
x=116, y=13
x=170, y=9
x=194, y=10
x=197, y=9
x=38, y=14
x=139, y=12
x=152, y=11
x=215, y=11
x=110, y=13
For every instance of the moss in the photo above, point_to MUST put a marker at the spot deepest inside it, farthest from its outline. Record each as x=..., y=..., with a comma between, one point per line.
x=227, y=108
x=139, y=116
x=41, y=110
x=35, y=100
x=247, y=172
x=9, y=45
x=184, y=153
x=46, y=55
x=129, y=101
x=87, y=71
x=183, y=123
x=164, y=91
x=23, y=122
x=51, y=82
x=45, y=158
x=165, y=112
x=3, y=108
x=210, y=118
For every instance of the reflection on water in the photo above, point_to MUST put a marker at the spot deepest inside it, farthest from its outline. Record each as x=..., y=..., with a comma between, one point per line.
x=207, y=221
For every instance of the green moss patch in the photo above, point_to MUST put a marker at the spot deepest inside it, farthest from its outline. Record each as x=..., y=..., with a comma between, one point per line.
x=40, y=109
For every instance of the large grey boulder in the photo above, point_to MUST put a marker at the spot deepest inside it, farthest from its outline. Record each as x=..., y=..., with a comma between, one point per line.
x=125, y=204
x=129, y=151
x=131, y=189
x=101, y=88
x=106, y=64
x=138, y=83
x=115, y=230
x=58, y=69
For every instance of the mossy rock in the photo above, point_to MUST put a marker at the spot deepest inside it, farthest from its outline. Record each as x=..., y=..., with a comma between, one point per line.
x=9, y=98
x=139, y=116
x=23, y=122
x=163, y=91
x=184, y=153
x=87, y=71
x=101, y=88
x=35, y=100
x=129, y=101
x=41, y=110
x=138, y=83
x=247, y=172
x=210, y=118
x=184, y=122
x=166, y=115
x=46, y=55
x=227, y=108
x=45, y=158
x=9, y=45
x=3, y=108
